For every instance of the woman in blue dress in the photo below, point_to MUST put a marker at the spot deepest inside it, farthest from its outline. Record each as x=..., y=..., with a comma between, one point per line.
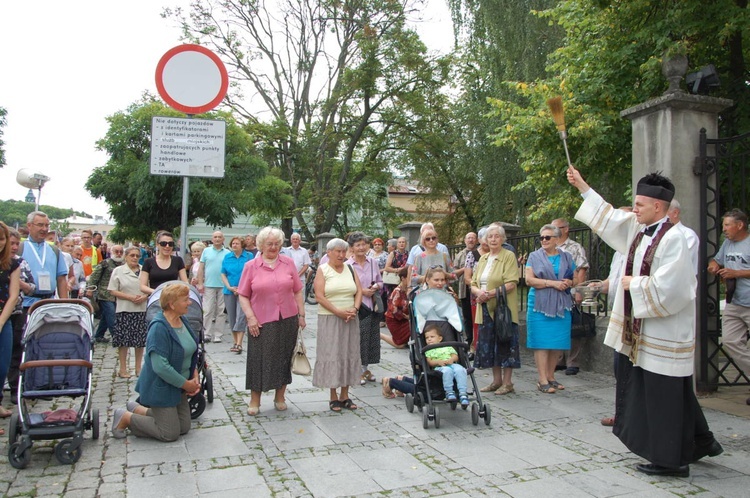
x=549, y=275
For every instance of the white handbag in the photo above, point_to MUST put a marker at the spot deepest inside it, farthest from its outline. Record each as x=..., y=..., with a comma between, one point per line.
x=391, y=278
x=300, y=363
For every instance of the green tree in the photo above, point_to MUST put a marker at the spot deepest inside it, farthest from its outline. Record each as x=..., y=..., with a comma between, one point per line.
x=500, y=40
x=338, y=81
x=611, y=60
x=14, y=212
x=3, y=122
x=142, y=204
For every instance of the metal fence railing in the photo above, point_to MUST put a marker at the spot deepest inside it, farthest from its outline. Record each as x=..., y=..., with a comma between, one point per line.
x=598, y=253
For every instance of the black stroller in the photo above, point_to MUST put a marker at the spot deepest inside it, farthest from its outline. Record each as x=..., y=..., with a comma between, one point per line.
x=195, y=318
x=56, y=362
x=428, y=383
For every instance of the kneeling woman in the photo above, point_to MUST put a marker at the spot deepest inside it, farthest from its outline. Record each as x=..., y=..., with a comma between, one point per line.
x=169, y=374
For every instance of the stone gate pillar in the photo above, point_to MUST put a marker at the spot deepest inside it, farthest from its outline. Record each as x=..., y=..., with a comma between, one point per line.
x=410, y=230
x=666, y=134
x=322, y=241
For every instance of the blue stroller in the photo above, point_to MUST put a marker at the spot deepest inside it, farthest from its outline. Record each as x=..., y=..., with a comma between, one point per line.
x=437, y=307
x=56, y=362
x=195, y=319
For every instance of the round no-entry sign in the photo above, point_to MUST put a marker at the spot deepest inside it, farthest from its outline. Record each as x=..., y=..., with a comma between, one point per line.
x=191, y=79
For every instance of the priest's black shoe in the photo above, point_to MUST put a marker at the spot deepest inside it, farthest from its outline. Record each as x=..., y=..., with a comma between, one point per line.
x=712, y=450
x=657, y=470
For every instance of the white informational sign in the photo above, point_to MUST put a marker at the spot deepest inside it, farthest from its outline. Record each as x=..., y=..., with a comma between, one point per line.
x=187, y=147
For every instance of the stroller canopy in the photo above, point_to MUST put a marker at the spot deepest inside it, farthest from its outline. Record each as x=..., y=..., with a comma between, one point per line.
x=52, y=316
x=194, y=315
x=436, y=304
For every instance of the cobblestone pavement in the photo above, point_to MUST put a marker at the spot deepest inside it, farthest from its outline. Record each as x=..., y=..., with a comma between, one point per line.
x=537, y=445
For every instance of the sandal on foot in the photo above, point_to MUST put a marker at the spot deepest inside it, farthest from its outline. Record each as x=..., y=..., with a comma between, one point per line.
x=348, y=404
x=368, y=376
x=125, y=375
x=4, y=412
x=239, y=349
x=491, y=388
x=545, y=388
x=233, y=349
x=335, y=405
x=280, y=406
x=556, y=385
x=253, y=410
x=505, y=389
x=387, y=392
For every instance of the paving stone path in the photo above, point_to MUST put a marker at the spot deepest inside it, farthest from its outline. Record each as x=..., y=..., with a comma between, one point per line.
x=537, y=445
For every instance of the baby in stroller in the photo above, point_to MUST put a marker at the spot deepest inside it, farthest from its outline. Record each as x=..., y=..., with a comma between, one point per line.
x=445, y=361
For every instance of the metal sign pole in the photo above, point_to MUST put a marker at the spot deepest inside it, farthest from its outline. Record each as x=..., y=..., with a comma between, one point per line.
x=186, y=256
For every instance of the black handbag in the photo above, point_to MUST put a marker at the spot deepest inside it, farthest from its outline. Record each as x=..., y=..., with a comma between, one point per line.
x=582, y=324
x=503, y=319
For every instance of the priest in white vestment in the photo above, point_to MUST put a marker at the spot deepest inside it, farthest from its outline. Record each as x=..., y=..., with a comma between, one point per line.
x=652, y=326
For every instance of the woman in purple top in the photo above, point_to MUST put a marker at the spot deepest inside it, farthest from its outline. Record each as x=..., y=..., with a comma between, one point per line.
x=370, y=283
x=271, y=297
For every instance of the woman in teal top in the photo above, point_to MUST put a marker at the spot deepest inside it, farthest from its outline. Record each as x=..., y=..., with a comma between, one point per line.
x=231, y=272
x=549, y=275
x=169, y=374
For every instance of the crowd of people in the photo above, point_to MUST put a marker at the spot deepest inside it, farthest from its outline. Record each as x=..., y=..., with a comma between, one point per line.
x=363, y=285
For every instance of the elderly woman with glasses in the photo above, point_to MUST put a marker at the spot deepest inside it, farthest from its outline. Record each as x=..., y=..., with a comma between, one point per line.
x=496, y=270
x=130, y=317
x=163, y=267
x=370, y=284
x=430, y=257
x=549, y=274
x=271, y=297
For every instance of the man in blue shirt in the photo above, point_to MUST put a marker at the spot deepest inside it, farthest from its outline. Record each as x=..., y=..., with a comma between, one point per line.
x=209, y=281
x=47, y=266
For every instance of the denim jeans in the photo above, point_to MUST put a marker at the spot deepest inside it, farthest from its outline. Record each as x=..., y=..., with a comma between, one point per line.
x=107, y=320
x=6, y=351
x=451, y=372
x=405, y=385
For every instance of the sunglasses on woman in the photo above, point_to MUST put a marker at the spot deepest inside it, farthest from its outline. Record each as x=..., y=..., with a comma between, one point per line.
x=428, y=239
x=165, y=243
x=546, y=237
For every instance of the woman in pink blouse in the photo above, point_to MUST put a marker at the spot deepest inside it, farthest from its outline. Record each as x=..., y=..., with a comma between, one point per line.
x=271, y=297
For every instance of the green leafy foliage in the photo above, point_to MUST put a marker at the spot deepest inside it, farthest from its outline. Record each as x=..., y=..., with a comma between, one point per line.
x=142, y=204
x=13, y=213
x=335, y=85
x=610, y=61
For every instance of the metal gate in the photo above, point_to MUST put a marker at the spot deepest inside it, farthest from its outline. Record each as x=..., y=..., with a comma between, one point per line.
x=724, y=170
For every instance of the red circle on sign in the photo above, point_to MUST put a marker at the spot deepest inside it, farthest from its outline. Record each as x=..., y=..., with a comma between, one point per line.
x=176, y=75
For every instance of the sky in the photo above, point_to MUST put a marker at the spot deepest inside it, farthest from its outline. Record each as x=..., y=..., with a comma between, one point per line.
x=66, y=66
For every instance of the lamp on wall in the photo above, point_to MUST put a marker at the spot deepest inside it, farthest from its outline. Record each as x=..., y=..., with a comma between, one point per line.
x=703, y=81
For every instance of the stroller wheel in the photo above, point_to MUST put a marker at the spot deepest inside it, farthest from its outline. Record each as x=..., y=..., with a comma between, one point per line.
x=197, y=405
x=95, y=423
x=65, y=454
x=208, y=385
x=453, y=404
x=409, y=400
x=487, y=415
x=19, y=461
x=426, y=419
x=436, y=416
x=14, y=428
x=475, y=414
x=420, y=402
